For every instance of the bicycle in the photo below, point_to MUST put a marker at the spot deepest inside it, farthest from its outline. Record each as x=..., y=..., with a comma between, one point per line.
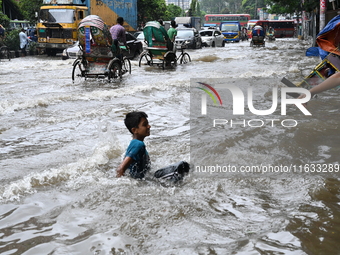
x=4, y=53
x=161, y=56
x=101, y=65
x=184, y=57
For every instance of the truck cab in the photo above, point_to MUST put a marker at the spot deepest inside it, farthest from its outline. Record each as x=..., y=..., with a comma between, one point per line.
x=57, y=27
x=231, y=31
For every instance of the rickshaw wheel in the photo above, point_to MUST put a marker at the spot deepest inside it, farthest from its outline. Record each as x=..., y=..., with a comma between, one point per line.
x=77, y=73
x=115, y=71
x=170, y=59
x=126, y=65
x=145, y=59
x=185, y=58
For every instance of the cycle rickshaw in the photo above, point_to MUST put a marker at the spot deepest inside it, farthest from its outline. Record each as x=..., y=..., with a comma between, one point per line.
x=160, y=52
x=99, y=57
x=258, y=37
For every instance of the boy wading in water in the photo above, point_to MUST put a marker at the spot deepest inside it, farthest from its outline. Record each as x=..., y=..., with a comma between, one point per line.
x=136, y=156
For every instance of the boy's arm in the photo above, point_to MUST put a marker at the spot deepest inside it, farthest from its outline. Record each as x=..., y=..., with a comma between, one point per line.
x=123, y=166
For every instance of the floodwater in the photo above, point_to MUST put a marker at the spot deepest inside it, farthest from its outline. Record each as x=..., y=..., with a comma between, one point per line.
x=60, y=144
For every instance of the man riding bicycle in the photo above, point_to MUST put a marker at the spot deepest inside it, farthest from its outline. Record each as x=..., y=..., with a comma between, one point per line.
x=118, y=36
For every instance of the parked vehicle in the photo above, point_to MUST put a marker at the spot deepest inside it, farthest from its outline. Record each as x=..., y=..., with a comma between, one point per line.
x=137, y=33
x=190, y=37
x=71, y=52
x=212, y=38
x=135, y=48
x=141, y=38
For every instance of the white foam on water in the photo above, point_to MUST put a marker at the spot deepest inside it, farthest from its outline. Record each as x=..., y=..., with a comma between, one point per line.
x=84, y=168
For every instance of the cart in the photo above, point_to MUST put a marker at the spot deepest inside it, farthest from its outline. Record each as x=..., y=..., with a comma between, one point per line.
x=160, y=51
x=258, y=37
x=99, y=58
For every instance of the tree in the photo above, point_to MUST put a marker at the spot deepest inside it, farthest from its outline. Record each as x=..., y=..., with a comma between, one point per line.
x=173, y=11
x=29, y=9
x=11, y=9
x=4, y=20
x=285, y=7
x=251, y=6
x=151, y=10
x=12, y=39
x=213, y=6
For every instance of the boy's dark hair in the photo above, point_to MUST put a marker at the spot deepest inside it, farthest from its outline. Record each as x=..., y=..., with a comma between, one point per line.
x=132, y=119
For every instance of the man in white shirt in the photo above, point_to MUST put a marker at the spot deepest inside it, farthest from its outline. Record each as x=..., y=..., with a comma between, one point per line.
x=23, y=41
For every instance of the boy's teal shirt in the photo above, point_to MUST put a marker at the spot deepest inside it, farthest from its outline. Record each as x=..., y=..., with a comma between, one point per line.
x=141, y=161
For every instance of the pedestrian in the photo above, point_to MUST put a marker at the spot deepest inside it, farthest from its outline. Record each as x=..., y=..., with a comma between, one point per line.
x=23, y=41
x=137, y=159
x=33, y=36
x=172, y=32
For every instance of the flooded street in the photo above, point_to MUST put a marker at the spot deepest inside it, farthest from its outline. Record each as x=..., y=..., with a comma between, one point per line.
x=60, y=144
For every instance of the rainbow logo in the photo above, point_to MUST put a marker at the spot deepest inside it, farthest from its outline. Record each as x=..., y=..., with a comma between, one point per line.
x=209, y=93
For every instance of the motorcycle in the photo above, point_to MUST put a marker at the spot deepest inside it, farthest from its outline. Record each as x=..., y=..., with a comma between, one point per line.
x=271, y=36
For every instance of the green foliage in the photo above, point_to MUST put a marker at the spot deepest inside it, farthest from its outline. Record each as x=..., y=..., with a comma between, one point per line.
x=149, y=10
x=285, y=7
x=4, y=20
x=12, y=40
x=213, y=6
x=310, y=5
x=29, y=8
x=33, y=46
x=173, y=11
x=195, y=9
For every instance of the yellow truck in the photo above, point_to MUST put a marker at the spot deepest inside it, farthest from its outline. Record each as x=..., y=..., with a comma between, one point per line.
x=58, y=20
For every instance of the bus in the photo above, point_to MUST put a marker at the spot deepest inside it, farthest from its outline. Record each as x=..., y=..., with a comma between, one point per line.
x=216, y=19
x=283, y=28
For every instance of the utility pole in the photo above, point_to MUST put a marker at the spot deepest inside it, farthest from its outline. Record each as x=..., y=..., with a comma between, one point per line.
x=255, y=14
x=322, y=14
